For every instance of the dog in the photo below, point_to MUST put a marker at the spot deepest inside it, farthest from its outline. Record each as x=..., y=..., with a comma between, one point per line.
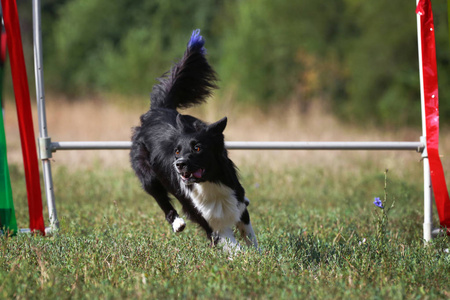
x=181, y=155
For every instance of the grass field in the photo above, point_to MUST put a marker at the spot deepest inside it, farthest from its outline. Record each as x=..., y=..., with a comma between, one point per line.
x=313, y=214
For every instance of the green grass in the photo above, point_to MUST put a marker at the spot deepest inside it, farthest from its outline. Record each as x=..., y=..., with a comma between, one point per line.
x=311, y=223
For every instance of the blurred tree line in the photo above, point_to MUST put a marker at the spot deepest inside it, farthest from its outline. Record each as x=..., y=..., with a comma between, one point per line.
x=360, y=57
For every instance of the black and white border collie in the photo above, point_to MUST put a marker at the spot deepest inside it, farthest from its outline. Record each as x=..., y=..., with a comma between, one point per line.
x=181, y=155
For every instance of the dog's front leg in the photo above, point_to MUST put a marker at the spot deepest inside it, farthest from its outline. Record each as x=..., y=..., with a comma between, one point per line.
x=177, y=223
x=155, y=188
x=144, y=171
x=172, y=216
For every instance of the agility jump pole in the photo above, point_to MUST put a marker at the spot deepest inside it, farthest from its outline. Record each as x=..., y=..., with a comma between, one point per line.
x=42, y=118
x=434, y=179
x=8, y=222
x=7, y=214
x=243, y=145
x=22, y=95
x=47, y=147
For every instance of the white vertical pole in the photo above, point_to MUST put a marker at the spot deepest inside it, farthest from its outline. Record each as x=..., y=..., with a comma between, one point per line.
x=428, y=197
x=427, y=191
x=40, y=98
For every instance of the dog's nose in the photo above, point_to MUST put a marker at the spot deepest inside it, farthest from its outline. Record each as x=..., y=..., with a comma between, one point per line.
x=180, y=164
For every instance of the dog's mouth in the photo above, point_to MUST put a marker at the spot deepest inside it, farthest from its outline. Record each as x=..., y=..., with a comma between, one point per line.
x=191, y=177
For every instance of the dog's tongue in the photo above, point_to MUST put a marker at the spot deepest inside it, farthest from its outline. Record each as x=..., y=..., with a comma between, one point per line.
x=198, y=173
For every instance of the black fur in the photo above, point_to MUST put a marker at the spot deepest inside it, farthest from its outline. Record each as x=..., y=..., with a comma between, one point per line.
x=171, y=152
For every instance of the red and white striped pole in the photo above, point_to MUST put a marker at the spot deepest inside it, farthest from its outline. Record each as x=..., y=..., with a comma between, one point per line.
x=22, y=95
x=430, y=117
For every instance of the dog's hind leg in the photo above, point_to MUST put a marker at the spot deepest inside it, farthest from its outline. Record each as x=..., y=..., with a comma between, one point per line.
x=226, y=240
x=246, y=230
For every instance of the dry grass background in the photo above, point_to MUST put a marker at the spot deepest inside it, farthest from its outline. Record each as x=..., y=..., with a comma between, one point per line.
x=111, y=119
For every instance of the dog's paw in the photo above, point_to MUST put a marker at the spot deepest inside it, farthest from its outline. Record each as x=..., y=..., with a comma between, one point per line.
x=178, y=225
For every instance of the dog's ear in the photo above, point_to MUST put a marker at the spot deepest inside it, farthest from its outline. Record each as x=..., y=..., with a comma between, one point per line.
x=199, y=125
x=219, y=126
x=180, y=123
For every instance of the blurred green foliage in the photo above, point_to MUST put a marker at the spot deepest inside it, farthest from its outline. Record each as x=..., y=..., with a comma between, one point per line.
x=360, y=57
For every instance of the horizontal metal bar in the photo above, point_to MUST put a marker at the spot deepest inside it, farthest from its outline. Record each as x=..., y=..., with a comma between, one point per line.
x=114, y=145
x=417, y=146
x=118, y=145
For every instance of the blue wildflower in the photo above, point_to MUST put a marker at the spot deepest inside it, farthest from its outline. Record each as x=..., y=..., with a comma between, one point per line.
x=378, y=202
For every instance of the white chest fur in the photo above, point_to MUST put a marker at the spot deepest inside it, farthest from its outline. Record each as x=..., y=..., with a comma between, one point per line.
x=217, y=204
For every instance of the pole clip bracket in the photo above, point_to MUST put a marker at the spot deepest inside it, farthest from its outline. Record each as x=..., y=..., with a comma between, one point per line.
x=45, y=148
x=423, y=140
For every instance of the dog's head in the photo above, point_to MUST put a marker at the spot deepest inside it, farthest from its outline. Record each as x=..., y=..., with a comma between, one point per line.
x=199, y=150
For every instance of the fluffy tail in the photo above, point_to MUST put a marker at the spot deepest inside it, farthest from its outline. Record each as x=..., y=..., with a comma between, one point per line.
x=190, y=81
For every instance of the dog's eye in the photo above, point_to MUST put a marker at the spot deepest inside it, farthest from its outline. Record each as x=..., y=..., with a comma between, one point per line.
x=177, y=152
x=197, y=148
